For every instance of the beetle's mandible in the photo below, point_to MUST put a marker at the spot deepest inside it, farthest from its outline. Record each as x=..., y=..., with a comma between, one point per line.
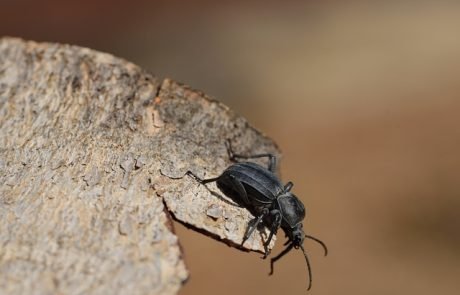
x=261, y=191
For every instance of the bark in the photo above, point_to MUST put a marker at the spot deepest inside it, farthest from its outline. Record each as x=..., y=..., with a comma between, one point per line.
x=93, y=156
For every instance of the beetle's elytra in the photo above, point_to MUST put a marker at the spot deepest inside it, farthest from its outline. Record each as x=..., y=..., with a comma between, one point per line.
x=261, y=191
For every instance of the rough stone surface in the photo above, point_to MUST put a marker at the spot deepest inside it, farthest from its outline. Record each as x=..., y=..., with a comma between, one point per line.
x=92, y=148
x=197, y=129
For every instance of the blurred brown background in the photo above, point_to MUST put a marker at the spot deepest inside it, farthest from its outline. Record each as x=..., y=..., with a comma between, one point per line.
x=361, y=96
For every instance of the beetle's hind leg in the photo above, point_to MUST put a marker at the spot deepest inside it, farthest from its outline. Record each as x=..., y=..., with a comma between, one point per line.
x=272, y=160
x=202, y=181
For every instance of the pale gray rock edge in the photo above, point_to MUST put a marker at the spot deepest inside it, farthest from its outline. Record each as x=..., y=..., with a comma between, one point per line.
x=92, y=148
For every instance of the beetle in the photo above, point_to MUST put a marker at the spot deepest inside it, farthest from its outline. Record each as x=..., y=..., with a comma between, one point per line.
x=261, y=191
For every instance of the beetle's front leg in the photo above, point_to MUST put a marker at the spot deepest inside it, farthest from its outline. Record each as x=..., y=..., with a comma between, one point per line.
x=276, y=217
x=251, y=228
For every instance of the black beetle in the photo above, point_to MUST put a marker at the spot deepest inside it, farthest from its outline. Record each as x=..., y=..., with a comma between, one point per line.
x=261, y=191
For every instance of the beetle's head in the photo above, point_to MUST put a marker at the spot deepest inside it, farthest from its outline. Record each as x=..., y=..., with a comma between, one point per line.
x=297, y=236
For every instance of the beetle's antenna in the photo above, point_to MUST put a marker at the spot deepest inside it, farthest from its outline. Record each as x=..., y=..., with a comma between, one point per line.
x=284, y=252
x=308, y=266
x=319, y=242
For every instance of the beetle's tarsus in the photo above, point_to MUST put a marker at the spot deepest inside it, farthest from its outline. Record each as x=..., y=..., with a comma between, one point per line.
x=202, y=181
x=267, y=251
x=272, y=160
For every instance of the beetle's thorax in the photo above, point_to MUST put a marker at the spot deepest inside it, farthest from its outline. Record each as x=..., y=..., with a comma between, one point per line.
x=292, y=210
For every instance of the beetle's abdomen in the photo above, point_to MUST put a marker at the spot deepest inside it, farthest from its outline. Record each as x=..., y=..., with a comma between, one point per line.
x=260, y=183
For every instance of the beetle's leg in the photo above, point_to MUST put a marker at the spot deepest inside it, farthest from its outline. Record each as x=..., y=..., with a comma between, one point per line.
x=284, y=252
x=273, y=229
x=288, y=186
x=238, y=186
x=252, y=227
x=202, y=181
x=271, y=158
x=288, y=241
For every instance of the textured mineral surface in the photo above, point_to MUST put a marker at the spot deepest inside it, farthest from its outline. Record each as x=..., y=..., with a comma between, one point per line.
x=93, y=159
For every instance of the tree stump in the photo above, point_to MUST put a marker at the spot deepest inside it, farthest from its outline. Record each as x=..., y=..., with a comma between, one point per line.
x=93, y=159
